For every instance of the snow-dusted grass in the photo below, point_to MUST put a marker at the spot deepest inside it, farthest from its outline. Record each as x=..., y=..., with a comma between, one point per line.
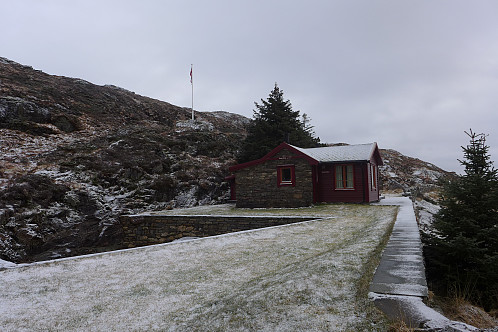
x=295, y=277
x=319, y=210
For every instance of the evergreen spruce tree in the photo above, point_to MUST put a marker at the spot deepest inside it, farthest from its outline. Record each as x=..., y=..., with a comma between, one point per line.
x=275, y=122
x=462, y=251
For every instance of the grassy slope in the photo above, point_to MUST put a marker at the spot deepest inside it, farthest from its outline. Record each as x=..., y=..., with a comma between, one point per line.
x=296, y=277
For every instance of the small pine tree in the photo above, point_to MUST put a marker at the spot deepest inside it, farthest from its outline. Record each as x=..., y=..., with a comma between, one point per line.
x=462, y=251
x=274, y=122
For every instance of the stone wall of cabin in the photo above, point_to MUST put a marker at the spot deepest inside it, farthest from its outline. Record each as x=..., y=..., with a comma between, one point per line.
x=257, y=186
x=142, y=230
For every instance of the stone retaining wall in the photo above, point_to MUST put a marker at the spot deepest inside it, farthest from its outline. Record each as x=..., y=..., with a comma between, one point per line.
x=142, y=230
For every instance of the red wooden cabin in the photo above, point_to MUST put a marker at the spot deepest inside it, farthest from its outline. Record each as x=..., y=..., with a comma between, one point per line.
x=289, y=176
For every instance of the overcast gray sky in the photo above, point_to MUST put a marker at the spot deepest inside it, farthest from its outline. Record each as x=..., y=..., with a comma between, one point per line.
x=410, y=75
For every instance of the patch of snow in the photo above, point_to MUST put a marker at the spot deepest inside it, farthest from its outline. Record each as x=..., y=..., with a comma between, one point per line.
x=186, y=238
x=115, y=144
x=186, y=198
x=114, y=87
x=81, y=81
x=6, y=264
x=11, y=223
x=6, y=61
x=6, y=209
x=10, y=248
x=55, y=174
x=227, y=116
x=426, y=211
x=31, y=230
x=427, y=206
x=427, y=173
x=194, y=125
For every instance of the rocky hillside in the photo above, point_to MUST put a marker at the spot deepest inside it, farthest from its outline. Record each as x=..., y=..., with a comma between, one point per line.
x=415, y=178
x=75, y=156
x=410, y=175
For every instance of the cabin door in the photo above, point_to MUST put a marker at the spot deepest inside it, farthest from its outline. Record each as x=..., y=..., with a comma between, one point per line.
x=325, y=183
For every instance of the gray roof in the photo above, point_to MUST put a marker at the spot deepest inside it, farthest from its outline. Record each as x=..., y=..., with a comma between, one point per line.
x=358, y=152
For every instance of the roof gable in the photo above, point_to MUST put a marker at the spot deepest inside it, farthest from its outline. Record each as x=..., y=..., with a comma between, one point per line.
x=328, y=154
x=270, y=155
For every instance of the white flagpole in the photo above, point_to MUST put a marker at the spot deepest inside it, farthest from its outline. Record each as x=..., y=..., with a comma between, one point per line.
x=192, y=83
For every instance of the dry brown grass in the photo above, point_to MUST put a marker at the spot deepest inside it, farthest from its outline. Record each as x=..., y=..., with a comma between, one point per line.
x=399, y=326
x=459, y=309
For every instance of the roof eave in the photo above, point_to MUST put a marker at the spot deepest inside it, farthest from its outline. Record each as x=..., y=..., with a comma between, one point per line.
x=344, y=161
x=376, y=154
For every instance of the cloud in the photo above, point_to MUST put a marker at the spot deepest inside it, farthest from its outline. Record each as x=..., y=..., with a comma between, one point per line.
x=412, y=75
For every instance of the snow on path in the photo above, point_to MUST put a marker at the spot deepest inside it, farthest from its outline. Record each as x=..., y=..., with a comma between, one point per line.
x=293, y=277
x=401, y=270
x=399, y=283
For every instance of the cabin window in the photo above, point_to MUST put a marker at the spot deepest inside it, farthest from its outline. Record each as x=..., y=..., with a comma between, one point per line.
x=286, y=175
x=373, y=174
x=344, y=177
